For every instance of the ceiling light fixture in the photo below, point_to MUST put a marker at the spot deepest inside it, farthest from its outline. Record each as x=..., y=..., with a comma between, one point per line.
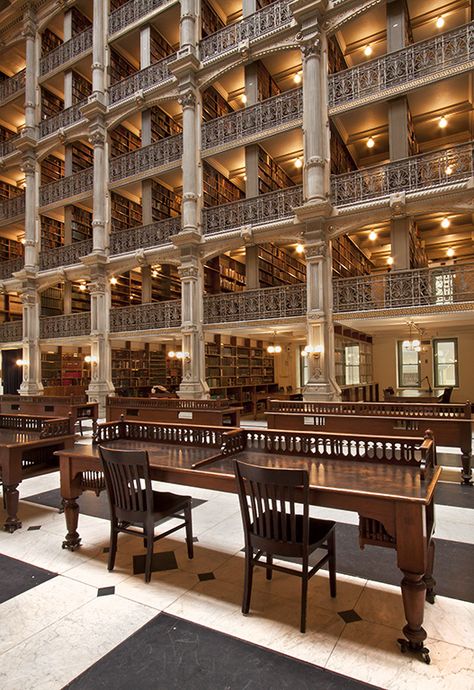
x=390, y=260
x=315, y=350
x=445, y=223
x=297, y=78
x=273, y=349
x=440, y=22
x=299, y=248
x=450, y=252
x=298, y=163
x=368, y=50
x=372, y=235
x=243, y=98
x=442, y=122
x=113, y=280
x=370, y=143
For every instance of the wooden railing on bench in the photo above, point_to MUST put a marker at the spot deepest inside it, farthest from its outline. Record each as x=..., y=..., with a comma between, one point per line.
x=385, y=409
x=46, y=426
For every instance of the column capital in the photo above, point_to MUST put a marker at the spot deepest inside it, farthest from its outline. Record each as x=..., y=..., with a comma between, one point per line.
x=29, y=23
x=187, y=99
x=310, y=45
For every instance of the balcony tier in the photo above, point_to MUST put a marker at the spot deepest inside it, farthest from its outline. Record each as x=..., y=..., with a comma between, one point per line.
x=66, y=118
x=13, y=86
x=70, y=50
x=77, y=185
x=133, y=11
x=142, y=317
x=146, y=79
x=149, y=159
x=65, y=325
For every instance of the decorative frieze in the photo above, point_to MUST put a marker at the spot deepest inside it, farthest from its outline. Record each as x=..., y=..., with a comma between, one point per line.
x=152, y=235
x=267, y=303
x=66, y=51
x=156, y=155
x=65, y=325
x=147, y=78
x=142, y=317
x=12, y=86
x=66, y=118
x=131, y=12
x=67, y=187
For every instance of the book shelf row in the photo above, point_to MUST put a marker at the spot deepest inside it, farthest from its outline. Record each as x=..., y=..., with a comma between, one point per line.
x=59, y=368
x=135, y=372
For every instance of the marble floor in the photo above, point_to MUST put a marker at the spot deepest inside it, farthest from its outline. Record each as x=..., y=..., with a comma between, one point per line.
x=66, y=620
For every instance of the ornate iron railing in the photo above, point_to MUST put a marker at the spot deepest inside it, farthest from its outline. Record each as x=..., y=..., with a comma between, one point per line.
x=64, y=119
x=13, y=85
x=8, y=146
x=268, y=114
x=11, y=332
x=414, y=288
x=130, y=12
x=425, y=171
x=66, y=187
x=10, y=266
x=144, y=236
x=65, y=256
x=267, y=21
x=10, y=208
x=267, y=303
x=65, y=325
x=267, y=207
x=147, y=78
x=66, y=51
x=433, y=56
x=146, y=158
x=143, y=317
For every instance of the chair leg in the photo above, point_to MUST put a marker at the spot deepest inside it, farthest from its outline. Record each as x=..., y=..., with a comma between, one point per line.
x=304, y=592
x=269, y=564
x=149, y=551
x=113, y=546
x=332, y=563
x=189, y=530
x=248, y=580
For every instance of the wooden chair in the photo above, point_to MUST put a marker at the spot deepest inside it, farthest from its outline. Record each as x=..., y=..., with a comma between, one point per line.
x=133, y=502
x=447, y=393
x=272, y=527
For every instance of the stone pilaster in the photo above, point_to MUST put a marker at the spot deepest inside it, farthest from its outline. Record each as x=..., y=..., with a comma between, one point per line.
x=188, y=37
x=101, y=359
x=29, y=32
x=322, y=383
x=31, y=301
x=98, y=49
x=191, y=162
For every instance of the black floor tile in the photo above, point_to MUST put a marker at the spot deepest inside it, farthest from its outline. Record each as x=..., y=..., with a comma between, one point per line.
x=164, y=560
x=206, y=576
x=169, y=653
x=350, y=616
x=105, y=591
x=17, y=577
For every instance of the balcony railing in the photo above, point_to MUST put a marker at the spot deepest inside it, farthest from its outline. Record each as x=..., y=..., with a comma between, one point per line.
x=425, y=171
x=11, y=332
x=73, y=185
x=275, y=112
x=8, y=146
x=131, y=12
x=11, y=266
x=267, y=303
x=141, y=160
x=145, y=79
x=64, y=119
x=267, y=21
x=426, y=58
x=415, y=288
x=144, y=236
x=66, y=51
x=13, y=85
x=65, y=325
x=143, y=317
x=267, y=207
x=68, y=255
x=10, y=208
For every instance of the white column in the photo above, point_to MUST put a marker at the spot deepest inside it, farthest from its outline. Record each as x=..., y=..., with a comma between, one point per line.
x=101, y=359
x=98, y=48
x=188, y=25
x=191, y=163
x=97, y=139
x=31, y=301
x=31, y=72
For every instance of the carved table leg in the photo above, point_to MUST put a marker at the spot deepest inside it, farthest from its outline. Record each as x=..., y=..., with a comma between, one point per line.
x=466, y=472
x=12, y=522
x=71, y=511
x=413, y=594
x=430, y=582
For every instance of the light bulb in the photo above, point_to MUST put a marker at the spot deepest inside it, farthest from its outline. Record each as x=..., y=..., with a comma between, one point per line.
x=277, y=349
x=368, y=50
x=372, y=235
x=299, y=248
x=445, y=223
x=271, y=349
x=450, y=252
x=171, y=354
x=297, y=78
x=82, y=287
x=20, y=362
x=298, y=163
x=370, y=143
x=113, y=280
x=416, y=343
x=440, y=22
x=243, y=98
x=406, y=344
x=449, y=170
x=390, y=260
x=442, y=122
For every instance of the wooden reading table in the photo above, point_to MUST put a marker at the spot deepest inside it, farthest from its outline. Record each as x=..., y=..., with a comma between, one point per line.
x=389, y=481
x=415, y=395
x=451, y=424
x=207, y=412
x=27, y=445
x=52, y=405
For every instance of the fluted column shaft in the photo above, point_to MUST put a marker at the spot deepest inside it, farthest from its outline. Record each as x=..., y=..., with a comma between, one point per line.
x=101, y=357
x=31, y=301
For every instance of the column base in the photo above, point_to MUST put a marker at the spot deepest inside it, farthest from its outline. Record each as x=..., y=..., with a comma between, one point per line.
x=31, y=388
x=324, y=392
x=193, y=391
x=97, y=392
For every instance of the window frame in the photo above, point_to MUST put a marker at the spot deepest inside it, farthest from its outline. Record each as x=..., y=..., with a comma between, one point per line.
x=400, y=351
x=435, y=342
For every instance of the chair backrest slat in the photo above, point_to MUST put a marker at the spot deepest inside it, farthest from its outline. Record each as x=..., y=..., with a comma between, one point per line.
x=125, y=473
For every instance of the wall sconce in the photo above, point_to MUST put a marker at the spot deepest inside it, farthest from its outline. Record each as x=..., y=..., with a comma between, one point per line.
x=390, y=261
x=91, y=359
x=315, y=350
x=179, y=354
x=21, y=362
x=243, y=98
x=82, y=287
x=299, y=248
x=445, y=223
x=113, y=280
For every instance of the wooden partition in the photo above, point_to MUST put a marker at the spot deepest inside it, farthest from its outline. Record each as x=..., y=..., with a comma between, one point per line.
x=206, y=412
x=451, y=423
x=59, y=406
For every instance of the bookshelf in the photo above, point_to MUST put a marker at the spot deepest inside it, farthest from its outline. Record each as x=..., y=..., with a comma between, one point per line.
x=165, y=285
x=210, y=20
x=82, y=156
x=79, y=21
x=9, y=191
x=159, y=46
x=214, y=105
x=127, y=291
x=418, y=258
x=81, y=224
x=347, y=259
x=163, y=125
x=50, y=104
x=217, y=189
x=122, y=140
x=271, y=176
x=336, y=59
x=413, y=147
x=52, y=301
x=224, y=274
x=52, y=233
x=266, y=85
x=119, y=68
x=6, y=134
x=165, y=203
x=341, y=159
x=52, y=169
x=276, y=266
x=80, y=299
x=81, y=87
x=59, y=368
x=344, y=337
x=10, y=249
x=124, y=213
x=12, y=308
x=49, y=41
x=134, y=372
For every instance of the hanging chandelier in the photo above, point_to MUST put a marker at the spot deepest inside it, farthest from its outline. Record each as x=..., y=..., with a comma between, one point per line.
x=412, y=344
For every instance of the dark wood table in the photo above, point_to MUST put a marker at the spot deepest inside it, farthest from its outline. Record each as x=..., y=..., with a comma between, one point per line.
x=27, y=446
x=450, y=423
x=394, y=501
x=51, y=405
x=207, y=412
x=415, y=395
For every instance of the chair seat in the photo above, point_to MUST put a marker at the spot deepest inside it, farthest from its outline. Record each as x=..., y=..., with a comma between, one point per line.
x=165, y=502
x=318, y=529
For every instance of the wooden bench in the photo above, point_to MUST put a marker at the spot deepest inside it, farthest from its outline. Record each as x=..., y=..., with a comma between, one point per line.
x=53, y=406
x=450, y=423
x=205, y=412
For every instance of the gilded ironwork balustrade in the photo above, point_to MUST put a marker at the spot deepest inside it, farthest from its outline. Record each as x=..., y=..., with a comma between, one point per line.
x=145, y=79
x=144, y=236
x=141, y=160
x=433, y=56
x=422, y=172
x=65, y=325
x=266, y=303
x=267, y=21
x=130, y=12
x=66, y=187
x=66, y=118
x=264, y=208
x=286, y=108
x=66, y=51
x=142, y=317
x=13, y=85
x=440, y=286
